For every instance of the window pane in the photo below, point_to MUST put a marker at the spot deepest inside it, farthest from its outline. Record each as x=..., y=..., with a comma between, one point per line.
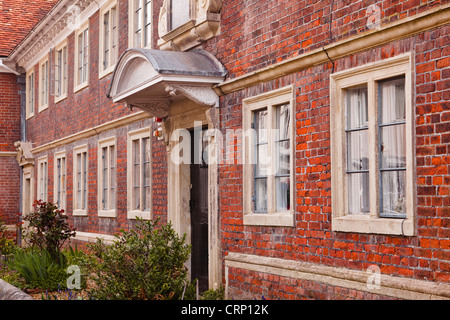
x=283, y=157
x=358, y=193
x=112, y=170
x=393, y=146
x=282, y=189
x=262, y=160
x=146, y=173
x=106, y=47
x=283, y=122
x=136, y=174
x=356, y=111
x=105, y=178
x=357, y=150
x=393, y=188
x=392, y=101
x=261, y=195
x=84, y=180
x=147, y=23
x=78, y=182
x=261, y=125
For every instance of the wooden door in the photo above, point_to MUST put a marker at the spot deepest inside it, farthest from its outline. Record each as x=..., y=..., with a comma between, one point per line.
x=199, y=212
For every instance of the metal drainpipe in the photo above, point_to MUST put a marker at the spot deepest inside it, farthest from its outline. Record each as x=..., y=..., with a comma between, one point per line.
x=21, y=80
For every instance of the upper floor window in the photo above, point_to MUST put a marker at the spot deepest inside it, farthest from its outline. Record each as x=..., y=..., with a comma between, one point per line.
x=44, y=82
x=109, y=38
x=371, y=148
x=30, y=95
x=82, y=57
x=61, y=72
x=140, y=24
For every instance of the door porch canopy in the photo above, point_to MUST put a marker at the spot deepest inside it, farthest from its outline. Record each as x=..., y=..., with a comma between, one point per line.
x=152, y=79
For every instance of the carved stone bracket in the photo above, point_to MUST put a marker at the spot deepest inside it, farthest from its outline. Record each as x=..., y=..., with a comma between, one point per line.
x=159, y=109
x=24, y=155
x=203, y=95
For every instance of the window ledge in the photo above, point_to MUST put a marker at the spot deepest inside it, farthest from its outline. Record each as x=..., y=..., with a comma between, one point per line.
x=80, y=87
x=134, y=214
x=80, y=213
x=107, y=213
x=283, y=219
x=368, y=224
x=60, y=98
x=191, y=33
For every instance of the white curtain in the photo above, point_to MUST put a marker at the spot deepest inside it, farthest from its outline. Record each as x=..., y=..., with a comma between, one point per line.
x=393, y=145
x=357, y=151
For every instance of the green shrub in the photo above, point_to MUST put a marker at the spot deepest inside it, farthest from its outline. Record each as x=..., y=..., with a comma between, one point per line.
x=48, y=228
x=40, y=269
x=146, y=263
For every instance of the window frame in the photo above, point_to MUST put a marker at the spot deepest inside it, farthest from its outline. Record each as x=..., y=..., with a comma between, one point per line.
x=62, y=72
x=132, y=213
x=270, y=100
x=42, y=179
x=113, y=37
x=78, y=84
x=60, y=181
x=44, y=84
x=142, y=25
x=83, y=211
x=31, y=97
x=109, y=212
x=371, y=74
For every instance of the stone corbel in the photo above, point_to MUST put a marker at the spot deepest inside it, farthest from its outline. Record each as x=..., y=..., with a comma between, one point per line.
x=159, y=109
x=24, y=155
x=203, y=95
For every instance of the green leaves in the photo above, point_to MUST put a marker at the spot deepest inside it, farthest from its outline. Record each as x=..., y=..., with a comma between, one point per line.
x=48, y=228
x=40, y=269
x=144, y=263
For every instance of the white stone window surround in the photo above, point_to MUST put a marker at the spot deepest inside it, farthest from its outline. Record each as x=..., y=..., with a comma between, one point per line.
x=44, y=83
x=30, y=93
x=272, y=217
x=110, y=145
x=61, y=70
x=42, y=178
x=80, y=180
x=60, y=179
x=370, y=74
x=138, y=136
x=81, y=55
x=108, y=38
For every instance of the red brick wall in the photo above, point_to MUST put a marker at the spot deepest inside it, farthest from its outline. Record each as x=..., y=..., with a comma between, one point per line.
x=425, y=256
x=83, y=110
x=255, y=34
x=9, y=133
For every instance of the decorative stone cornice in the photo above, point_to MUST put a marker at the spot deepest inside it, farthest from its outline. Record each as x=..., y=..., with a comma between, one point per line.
x=65, y=17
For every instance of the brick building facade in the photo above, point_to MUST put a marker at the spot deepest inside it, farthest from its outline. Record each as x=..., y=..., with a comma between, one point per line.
x=324, y=126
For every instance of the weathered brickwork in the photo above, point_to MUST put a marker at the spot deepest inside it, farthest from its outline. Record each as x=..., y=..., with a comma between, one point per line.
x=256, y=34
x=9, y=133
x=425, y=256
